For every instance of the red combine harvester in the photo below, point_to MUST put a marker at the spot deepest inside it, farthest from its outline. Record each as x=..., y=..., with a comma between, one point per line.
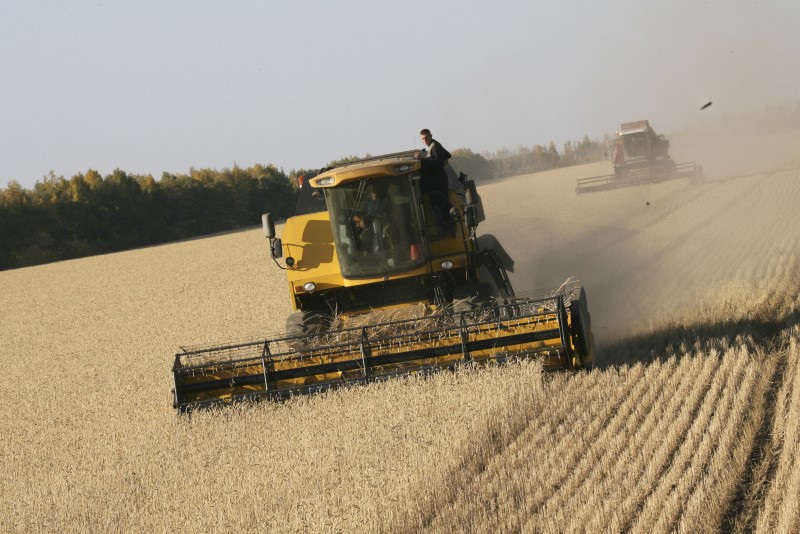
x=640, y=157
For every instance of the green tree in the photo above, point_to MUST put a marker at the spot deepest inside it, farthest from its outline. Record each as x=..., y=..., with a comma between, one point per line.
x=473, y=165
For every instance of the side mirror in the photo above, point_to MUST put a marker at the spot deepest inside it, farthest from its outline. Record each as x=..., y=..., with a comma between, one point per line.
x=276, y=247
x=471, y=193
x=269, y=226
x=471, y=216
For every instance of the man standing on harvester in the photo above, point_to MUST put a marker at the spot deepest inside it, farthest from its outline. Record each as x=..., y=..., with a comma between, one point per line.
x=435, y=182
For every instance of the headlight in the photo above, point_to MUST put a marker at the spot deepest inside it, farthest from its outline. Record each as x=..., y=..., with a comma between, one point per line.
x=447, y=264
x=309, y=286
x=325, y=181
x=402, y=168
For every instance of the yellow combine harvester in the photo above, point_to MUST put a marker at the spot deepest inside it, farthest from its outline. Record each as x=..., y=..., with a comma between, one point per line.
x=381, y=285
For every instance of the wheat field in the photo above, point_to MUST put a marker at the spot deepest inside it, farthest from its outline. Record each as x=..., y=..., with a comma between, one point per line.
x=689, y=423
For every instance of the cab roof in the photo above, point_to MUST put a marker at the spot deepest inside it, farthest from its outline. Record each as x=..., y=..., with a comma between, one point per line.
x=374, y=166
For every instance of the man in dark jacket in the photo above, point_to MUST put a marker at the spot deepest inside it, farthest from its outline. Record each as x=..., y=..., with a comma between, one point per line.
x=434, y=177
x=435, y=182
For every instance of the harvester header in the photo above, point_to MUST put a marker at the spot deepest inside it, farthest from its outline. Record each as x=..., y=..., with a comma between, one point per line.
x=555, y=330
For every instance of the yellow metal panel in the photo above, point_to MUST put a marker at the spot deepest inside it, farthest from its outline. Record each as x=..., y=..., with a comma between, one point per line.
x=309, y=240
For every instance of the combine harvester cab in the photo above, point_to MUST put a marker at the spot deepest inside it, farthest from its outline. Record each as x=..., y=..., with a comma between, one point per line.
x=382, y=285
x=640, y=156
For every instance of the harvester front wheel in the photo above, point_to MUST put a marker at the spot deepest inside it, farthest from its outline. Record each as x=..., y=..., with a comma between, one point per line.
x=583, y=338
x=304, y=323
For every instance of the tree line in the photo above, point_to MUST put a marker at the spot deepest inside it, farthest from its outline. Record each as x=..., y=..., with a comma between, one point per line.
x=92, y=214
x=537, y=158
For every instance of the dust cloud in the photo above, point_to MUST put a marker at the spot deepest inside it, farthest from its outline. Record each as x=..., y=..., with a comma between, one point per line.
x=757, y=142
x=661, y=254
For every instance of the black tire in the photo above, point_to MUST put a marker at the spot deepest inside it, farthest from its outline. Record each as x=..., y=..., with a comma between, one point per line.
x=582, y=336
x=304, y=323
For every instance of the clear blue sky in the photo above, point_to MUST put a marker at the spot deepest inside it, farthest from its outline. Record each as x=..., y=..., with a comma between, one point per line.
x=151, y=86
